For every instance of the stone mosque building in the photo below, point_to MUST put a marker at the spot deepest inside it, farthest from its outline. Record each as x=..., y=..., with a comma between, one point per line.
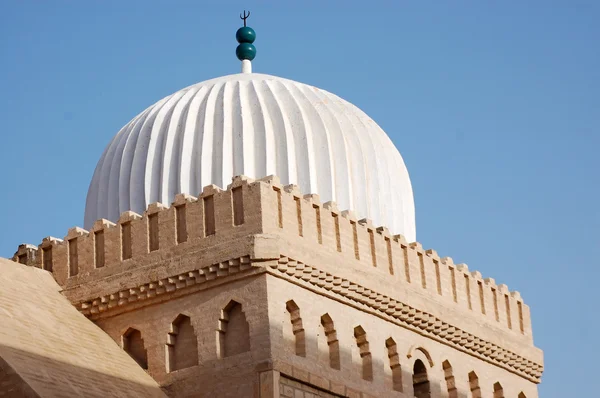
x=252, y=236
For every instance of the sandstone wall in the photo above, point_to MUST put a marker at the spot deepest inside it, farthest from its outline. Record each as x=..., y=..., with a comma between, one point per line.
x=148, y=261
x=213, y=374
x=387, y=343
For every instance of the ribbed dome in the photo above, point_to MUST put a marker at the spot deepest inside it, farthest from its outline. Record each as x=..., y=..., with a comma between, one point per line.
x=255, y=125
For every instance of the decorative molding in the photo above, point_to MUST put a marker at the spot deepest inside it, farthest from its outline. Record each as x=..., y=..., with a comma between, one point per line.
x=408, y=317
x=165, y=285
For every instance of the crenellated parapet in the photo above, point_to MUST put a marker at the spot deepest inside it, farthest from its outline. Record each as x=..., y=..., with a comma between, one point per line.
x=170, y=248
x=372, y=250
x=135, y=240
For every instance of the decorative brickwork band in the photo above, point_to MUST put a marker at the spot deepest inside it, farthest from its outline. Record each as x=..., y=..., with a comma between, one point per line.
x=165, y=285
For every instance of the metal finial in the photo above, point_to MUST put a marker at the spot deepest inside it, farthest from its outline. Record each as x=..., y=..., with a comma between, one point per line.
x=245, y=16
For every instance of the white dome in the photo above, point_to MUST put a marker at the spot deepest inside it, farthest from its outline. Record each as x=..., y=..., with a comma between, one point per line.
x=255, y=125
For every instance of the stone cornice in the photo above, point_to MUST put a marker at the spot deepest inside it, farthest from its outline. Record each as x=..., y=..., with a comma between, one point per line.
x=406, y=316
x=150, y=290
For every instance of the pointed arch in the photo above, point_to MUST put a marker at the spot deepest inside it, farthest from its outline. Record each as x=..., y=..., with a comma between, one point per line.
x=498, y=390
x=297, y=329
x=474, y=385
x=365, y=354
x=450, y=381
x=233, y=332
x=392, y=351
x=182, y=344
x=421, y=385
x=521, y=395
x=133, y=344
x=411, y=352
x=333, y=345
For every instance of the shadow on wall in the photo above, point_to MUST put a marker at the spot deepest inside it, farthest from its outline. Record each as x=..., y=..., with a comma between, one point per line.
x=358, y=363
x=27, y=374
x=390, y=375
x=400, y=380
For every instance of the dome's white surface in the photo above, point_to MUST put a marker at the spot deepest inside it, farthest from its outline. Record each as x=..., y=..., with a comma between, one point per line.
x=255, y=125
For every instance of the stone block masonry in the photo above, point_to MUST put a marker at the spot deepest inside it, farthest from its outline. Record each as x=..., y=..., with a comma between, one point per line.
x=258, y=227
x=266, y=207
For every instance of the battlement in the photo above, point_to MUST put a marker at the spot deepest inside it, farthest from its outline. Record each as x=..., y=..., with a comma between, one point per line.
x=403, y=269
x=352, y=248
x=141, y=239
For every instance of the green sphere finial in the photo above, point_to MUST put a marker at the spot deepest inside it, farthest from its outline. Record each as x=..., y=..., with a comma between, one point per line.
x=245, y=51
x=245, y=36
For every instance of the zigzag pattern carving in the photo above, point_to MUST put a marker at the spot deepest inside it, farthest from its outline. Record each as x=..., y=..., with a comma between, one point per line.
x=165, y=285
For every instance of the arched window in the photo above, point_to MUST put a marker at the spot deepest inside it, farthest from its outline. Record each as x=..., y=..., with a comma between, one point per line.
x=474, y=385
x=450, y=382
x=297, y=328
x=521, y=395
x=182, y=344
x=133, y=344
x=365, y=354
x=392, y=351
x=498, y=390
x=234, y=331
x=421, y=387
x=333, y=345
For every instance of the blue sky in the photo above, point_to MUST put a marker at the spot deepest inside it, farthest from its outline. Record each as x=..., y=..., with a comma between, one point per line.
x=495, y=107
